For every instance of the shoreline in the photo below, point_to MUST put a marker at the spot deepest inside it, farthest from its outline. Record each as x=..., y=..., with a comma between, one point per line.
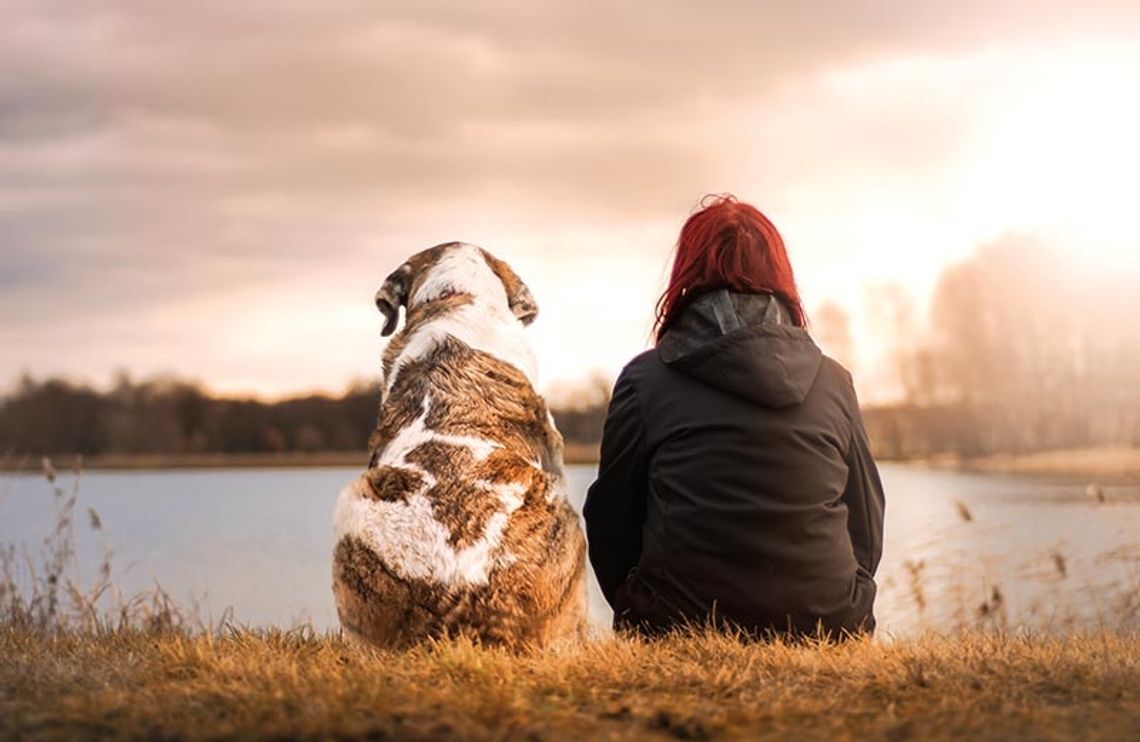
x=1111, y=466
x=1117, y=466
x=575, y=454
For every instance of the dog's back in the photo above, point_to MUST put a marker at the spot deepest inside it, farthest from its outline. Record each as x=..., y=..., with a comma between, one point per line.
x=460, y=524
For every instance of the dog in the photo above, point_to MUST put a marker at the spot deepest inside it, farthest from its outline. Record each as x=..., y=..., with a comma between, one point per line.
x=460, y=525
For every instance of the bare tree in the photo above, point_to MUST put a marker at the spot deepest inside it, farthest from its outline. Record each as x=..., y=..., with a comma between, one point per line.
x=907, y=364
x=831, y=326
x=1039, y=351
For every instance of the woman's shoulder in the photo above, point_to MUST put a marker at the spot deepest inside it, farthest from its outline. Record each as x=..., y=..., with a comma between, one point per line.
x=642, y=368
x=835, y=377
x=836, y=371
x=642, y=361
x=638, y=376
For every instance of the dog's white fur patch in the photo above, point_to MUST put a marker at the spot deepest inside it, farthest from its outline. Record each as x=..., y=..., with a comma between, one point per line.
x=406, y=534
x=461, y=268
x=417, y=433
x=487, y=324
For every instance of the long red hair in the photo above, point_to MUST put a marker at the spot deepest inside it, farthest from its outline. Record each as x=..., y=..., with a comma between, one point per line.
x=728, y=244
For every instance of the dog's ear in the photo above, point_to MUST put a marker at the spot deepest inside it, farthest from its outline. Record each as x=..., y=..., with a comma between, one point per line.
x=521, y=301
x=393, y=295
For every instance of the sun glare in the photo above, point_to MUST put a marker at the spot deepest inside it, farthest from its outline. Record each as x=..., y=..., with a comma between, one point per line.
x=1056, y=153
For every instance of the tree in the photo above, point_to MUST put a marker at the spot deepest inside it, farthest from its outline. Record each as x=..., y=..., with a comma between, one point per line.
x=832, y=329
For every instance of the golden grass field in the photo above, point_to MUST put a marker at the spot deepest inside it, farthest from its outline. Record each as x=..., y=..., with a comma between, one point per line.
x=705, y=686
x=73, y=665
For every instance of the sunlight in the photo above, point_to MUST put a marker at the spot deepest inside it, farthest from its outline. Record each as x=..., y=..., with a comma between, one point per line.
x=1056, y=153
x=1046, y=143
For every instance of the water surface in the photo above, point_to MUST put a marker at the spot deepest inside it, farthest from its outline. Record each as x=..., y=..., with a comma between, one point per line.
x=259, y=541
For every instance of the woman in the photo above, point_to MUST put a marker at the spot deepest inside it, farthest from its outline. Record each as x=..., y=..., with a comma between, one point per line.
x=736, y=483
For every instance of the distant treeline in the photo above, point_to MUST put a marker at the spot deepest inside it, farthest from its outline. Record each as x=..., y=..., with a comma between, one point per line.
x=1022, y=350
x=175, y=417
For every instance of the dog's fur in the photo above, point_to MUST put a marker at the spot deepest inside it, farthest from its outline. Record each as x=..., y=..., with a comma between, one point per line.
x=461, y=524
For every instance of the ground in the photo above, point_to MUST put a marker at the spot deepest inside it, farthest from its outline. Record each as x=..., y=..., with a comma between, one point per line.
x=245, y=683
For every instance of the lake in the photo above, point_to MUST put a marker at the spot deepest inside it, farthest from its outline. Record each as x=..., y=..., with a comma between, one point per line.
x=960, y=550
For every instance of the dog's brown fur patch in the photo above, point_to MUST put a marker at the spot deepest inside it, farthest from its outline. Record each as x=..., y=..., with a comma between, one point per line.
x=392, y=483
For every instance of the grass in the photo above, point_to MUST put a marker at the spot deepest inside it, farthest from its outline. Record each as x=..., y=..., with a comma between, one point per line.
x=276, y=684
x=80, y=660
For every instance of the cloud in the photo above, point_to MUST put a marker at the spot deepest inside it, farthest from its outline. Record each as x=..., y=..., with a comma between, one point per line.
x=157, y=156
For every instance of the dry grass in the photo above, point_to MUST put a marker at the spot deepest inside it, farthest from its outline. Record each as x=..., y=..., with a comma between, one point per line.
x=42, y=592
x=276, y=684
x=79, y=660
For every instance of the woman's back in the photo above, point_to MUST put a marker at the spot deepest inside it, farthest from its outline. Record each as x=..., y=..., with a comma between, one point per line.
x=748, y=446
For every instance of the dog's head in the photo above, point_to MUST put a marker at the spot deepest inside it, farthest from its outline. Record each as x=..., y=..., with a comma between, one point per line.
x=450, y=269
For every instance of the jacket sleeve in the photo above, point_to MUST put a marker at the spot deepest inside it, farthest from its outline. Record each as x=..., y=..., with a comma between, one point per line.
x=864, y=499
x=615, y=504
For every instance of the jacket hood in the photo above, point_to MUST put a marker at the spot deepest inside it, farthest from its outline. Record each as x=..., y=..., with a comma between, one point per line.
x=744, y=344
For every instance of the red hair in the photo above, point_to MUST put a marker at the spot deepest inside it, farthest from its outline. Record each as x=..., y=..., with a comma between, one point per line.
x=728, y=244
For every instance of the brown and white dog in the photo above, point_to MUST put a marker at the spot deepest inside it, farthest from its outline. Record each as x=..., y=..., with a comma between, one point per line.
x=461, y=524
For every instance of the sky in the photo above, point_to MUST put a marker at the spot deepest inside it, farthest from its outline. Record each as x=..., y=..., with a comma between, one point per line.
x=216, y=190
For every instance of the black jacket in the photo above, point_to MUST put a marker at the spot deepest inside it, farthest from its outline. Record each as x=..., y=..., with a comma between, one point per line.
x=736, y=481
